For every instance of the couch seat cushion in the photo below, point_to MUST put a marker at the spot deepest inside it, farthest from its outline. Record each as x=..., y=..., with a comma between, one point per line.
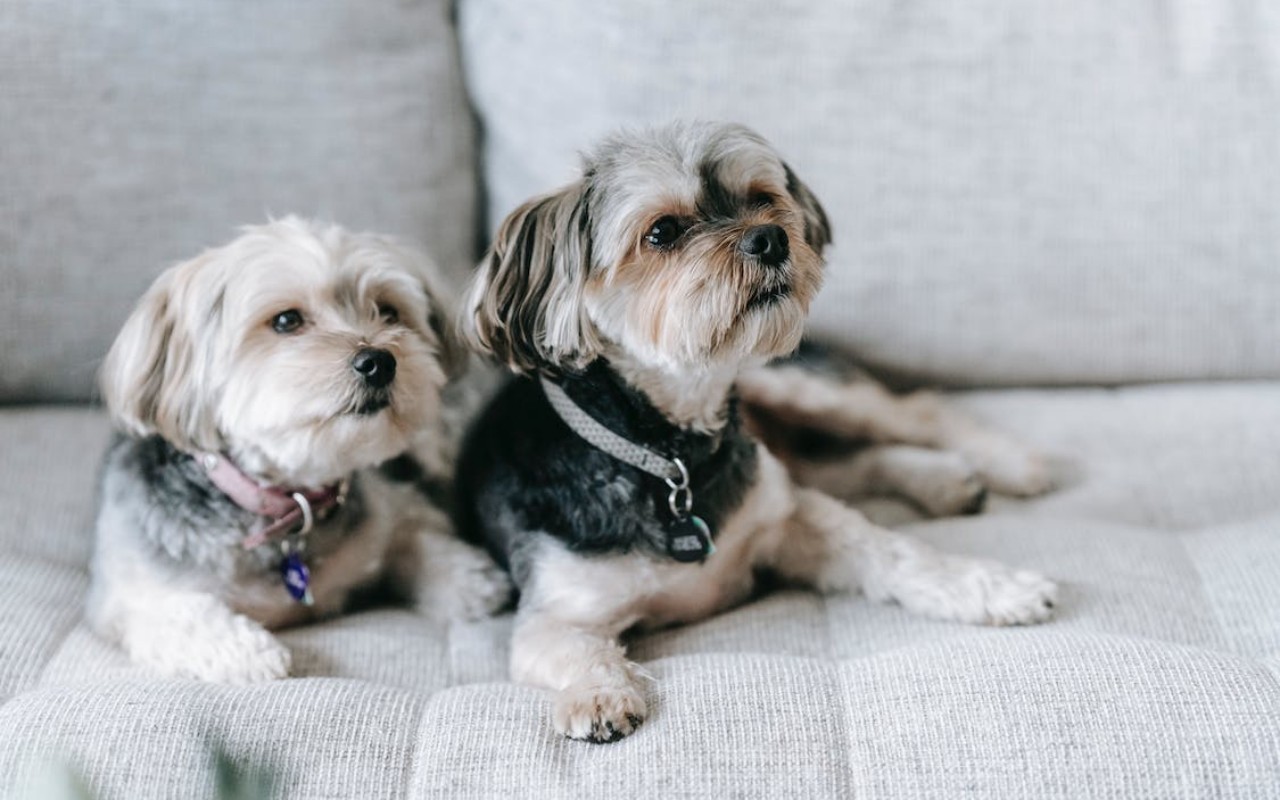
x=1160, y=677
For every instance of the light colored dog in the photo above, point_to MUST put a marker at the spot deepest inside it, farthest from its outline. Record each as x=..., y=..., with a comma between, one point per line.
x=258, y=387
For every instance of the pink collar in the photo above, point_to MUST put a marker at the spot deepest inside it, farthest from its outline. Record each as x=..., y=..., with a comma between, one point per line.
x=282, y=507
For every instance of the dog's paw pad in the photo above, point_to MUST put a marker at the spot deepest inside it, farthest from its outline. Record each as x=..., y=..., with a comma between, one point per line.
x=598, y=713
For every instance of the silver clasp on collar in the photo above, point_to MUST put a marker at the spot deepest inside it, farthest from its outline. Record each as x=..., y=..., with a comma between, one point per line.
x=680, y=501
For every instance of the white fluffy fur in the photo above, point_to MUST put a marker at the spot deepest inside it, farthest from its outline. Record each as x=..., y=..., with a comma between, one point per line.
x=199, y=365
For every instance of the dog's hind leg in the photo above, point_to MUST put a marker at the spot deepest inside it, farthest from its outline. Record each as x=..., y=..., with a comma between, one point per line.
x=940, y=482
x=790, y=396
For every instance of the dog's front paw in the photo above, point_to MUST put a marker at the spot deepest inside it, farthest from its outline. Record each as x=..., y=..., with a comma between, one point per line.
x=598, y=713
x=469, y=587
x=231, y=649
x=481, y=591
x=1011, y=597
x=977, y=592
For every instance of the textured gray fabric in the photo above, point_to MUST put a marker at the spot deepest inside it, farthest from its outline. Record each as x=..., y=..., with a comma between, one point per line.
x=1239, y=566
x=1177, y=457
x=1019, y=715
x=1159, y=678
x=1049, y=192
x=138, y=132
x=138, y=739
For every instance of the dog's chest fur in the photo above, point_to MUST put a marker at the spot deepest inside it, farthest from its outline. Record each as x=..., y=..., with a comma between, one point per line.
x=160, y=506
x=639, y=591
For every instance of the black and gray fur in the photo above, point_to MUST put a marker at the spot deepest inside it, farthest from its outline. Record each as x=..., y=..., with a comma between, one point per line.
x=524, y=470
x=653, y=289
x=165, y=510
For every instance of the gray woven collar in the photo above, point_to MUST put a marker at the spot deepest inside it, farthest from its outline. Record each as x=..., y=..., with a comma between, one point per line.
x=689, y=538
x=672, y=471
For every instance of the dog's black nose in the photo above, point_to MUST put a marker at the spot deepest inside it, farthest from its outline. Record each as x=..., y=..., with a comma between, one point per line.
x=377, y=367
x=767, y=243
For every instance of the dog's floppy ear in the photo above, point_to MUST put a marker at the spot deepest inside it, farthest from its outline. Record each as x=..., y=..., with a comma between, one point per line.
x=152, y=379
x=817, y=230
x=525, y=304
x=442, y=319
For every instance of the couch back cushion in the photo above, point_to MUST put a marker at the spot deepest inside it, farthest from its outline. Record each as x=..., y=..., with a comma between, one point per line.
x=1049, y=192
x=134, y=134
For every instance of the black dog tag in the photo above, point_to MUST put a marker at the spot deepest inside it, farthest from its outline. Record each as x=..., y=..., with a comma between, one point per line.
x=689, y=540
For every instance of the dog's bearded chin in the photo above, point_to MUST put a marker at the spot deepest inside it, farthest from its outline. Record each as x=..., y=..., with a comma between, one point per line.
x=770, y=295
x=333, y=451
x=372, y=404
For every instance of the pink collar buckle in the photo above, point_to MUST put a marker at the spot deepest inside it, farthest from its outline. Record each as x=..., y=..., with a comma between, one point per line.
x=283, y=508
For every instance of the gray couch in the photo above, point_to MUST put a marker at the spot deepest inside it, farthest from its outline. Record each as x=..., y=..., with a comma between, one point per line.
x=1066, y=211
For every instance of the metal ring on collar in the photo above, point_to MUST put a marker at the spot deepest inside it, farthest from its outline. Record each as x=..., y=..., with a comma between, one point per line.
x=308, y=519
x=683, y=482
x=680, y=501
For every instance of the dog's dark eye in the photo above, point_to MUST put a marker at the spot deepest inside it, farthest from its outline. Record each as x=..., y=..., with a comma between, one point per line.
x=389, y=313
x=287, y=321
x=760, y=199
x=664, y=232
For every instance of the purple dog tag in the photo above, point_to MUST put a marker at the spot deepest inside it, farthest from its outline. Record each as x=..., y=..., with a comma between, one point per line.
x=297, y=578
